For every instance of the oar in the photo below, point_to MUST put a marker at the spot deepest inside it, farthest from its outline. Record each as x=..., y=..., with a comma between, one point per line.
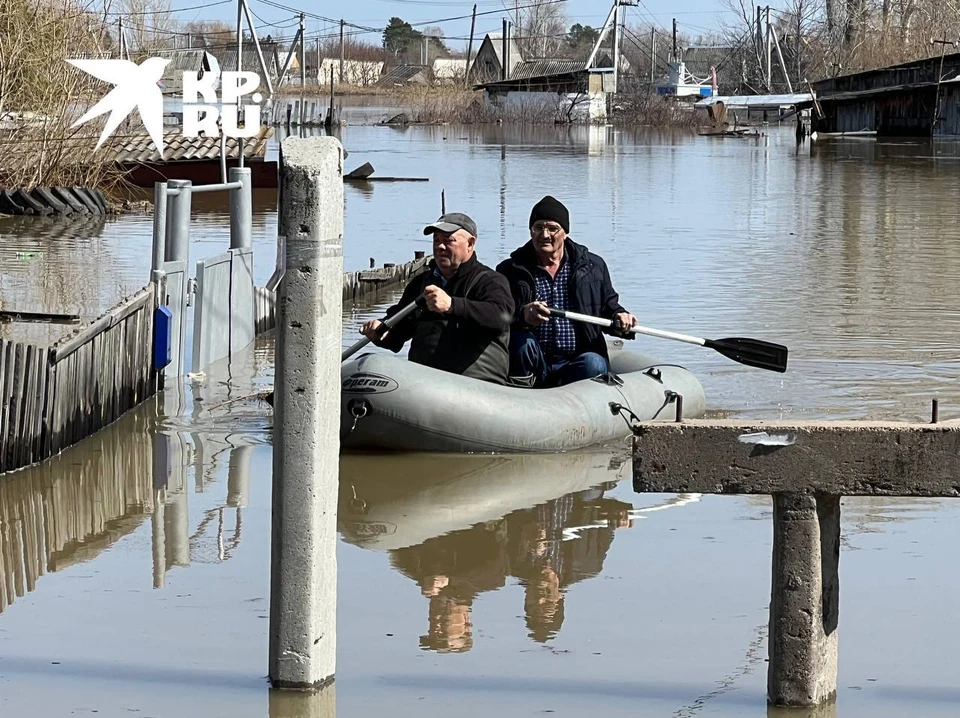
x=384, y=326
x=752, y=352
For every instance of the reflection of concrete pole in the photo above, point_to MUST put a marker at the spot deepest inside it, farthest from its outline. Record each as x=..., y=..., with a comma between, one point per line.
x=238, y=476
x=303, y=574
x=292, y=704
x=159, y=546
x=178, y=529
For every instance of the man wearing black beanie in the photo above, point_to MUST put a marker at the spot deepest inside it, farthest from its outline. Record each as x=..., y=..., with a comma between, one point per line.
x=551, y=270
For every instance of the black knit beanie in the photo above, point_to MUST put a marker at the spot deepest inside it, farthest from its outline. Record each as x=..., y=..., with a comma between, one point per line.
x=550, y=209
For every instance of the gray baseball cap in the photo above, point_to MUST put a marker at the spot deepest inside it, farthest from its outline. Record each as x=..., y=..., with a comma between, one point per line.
x=451, y=222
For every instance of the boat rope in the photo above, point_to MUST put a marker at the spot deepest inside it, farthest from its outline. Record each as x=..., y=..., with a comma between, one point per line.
x=358, y=409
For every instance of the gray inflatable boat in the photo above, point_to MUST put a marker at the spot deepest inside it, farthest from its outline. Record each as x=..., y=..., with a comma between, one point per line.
x=392, y=404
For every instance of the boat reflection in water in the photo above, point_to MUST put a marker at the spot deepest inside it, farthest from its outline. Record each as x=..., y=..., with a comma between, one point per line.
x=463, y=525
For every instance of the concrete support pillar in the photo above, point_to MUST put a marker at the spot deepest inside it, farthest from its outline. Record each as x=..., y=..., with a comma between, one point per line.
x=805, y=600
x=306, y=453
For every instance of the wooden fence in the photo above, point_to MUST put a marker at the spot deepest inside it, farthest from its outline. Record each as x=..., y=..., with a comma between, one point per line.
x=52, y=397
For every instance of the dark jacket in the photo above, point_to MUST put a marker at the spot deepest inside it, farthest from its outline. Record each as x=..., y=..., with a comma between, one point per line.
x=473, y=338
x=591, y=292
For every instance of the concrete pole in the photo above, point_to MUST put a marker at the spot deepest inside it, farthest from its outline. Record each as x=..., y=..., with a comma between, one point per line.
x=653, y=53
x=241, y=209
x=159, y=225
x=805, y=600
x=616, y=44
x=303, y=572
x=769, y=54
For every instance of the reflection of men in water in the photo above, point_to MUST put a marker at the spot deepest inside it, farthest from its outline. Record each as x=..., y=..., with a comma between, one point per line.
x=451, y=571
x=546, y=564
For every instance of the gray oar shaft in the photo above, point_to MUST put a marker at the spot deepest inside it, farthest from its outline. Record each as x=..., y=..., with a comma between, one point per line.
x=389, y=322
x=587, y=319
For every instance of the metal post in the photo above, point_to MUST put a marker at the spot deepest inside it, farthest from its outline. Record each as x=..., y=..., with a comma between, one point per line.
x=239, y=69
x=159, y=225
x=241, y=209
x=675, y=58
x=178, y=221
x=303, y=571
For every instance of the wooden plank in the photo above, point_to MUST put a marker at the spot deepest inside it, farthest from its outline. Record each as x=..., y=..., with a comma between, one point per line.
x=16, y=407
x=27, y=402
x=4, y=404
x=114, y=316
x=38, y=317
x=42, y=368
x=16, y=536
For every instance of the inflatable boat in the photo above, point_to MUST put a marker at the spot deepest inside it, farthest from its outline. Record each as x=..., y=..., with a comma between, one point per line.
x=390, y=403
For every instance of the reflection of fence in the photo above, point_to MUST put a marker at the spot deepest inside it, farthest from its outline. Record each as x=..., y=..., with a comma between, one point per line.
x=52, y=397
x=69, y=509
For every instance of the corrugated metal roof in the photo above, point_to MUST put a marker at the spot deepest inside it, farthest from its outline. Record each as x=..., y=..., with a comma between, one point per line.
x=756, y=101
x=139, y=148
x=545, y=68
x=402, y=74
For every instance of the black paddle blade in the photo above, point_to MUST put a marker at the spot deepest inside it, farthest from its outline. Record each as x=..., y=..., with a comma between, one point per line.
x=752, y=352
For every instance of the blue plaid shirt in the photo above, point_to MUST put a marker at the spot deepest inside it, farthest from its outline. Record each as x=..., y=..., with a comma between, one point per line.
x=557, y=335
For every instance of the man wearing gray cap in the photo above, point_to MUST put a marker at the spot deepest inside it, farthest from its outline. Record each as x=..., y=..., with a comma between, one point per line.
x=466, y=308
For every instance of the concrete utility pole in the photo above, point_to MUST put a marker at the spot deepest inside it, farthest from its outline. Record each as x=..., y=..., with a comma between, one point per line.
x=303, y=72
x=341, y=51
x=675, y=57
x=653, y=53
x=306, y=452
x=473, y=24
x=769, y=51
x=616, y=43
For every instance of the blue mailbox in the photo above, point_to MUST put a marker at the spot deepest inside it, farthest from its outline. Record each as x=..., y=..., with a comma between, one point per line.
x=162, y=337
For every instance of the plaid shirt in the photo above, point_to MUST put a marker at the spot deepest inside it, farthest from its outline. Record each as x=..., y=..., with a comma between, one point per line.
x=557, y=335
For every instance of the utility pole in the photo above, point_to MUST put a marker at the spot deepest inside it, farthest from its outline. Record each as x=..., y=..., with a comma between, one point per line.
x=758, y=42
x=473, y=24
x=653, y=53
x=120, y=49
x=616, y=43
x=769, y=53
x=341, y=51
x=675, y=58
x=303, y=72
x=503, y=51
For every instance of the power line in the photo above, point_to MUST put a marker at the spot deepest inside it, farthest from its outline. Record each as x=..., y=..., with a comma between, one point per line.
x=167, y=12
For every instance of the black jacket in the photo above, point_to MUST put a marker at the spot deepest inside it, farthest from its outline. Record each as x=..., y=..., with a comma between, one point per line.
x=591, y=292
x=472, y=339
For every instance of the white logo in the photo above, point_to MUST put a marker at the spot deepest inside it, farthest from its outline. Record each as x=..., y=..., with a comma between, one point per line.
x=138, y=86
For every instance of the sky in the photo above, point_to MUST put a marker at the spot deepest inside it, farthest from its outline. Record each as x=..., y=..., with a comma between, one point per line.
x=694, y=17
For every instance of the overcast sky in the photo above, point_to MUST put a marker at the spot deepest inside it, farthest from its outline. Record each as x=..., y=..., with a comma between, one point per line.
x=694, y=17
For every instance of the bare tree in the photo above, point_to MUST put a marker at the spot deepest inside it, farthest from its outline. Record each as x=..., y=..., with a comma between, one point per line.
x=148, y=25
x=540, y=28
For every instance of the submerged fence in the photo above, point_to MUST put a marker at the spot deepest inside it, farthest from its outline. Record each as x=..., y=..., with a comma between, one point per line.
x=52, y=397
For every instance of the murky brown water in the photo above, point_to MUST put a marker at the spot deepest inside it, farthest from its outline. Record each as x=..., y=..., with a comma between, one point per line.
x=134, y=568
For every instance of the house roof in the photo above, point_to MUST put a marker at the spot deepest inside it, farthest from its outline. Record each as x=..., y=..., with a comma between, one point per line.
x=135, y=149
x=402, y=74
x=545, y=68
x=513, y=48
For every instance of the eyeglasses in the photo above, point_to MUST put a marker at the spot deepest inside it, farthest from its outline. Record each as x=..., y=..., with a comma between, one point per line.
x=550, y=229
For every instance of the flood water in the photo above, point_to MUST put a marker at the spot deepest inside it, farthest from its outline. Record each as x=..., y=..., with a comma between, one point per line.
x=134, y=568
